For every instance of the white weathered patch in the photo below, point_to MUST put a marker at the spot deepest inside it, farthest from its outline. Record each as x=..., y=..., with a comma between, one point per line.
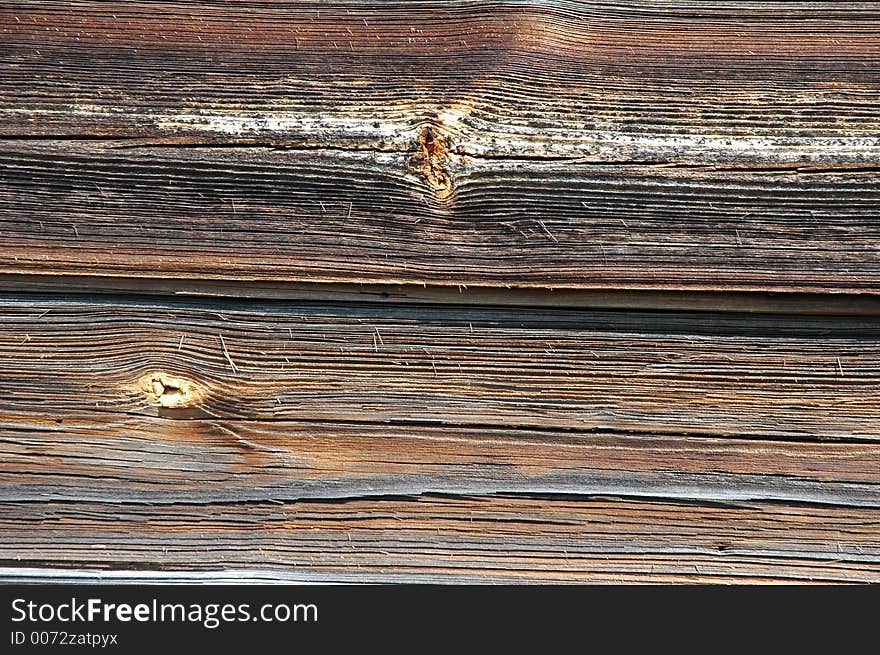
x=471, y=136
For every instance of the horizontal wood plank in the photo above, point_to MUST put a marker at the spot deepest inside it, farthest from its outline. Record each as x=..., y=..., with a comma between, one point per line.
x=156, y=400
x=97, y=458
x=685, y=81
x=258, y=214
x=478, y=539
x=648, y=145
x=669, y=373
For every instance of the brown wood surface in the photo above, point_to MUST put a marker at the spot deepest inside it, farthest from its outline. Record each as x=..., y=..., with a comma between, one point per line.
x=677, y=145
x=466, y=291
x=443, y=539
x=136, y=406
x=672, y=373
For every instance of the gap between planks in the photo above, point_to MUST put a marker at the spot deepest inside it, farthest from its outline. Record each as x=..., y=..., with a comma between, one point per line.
x=636, y=299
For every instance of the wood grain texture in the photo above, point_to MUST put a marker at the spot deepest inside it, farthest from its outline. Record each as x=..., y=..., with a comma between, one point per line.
x=437, y=539
x=420, y=291
x=90, y=457
x=156, y=400
x=646, y=145
x=794, y=304
x=257, y=214
x=769, y=82
x=668, y=373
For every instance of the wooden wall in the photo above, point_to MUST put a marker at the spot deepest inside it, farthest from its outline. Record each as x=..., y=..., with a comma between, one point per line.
x=460, y=291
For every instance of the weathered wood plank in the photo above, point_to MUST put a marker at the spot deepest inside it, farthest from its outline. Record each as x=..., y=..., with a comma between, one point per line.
x=643, y=145
x=636, y=155
x=500, y=539
x=153, y=400
x=823, y=304
x=100, y=458
x=259, y=214
x=686, y=81
x=668, y=373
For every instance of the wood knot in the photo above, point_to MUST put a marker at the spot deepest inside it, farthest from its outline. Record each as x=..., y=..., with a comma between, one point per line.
x=169, y=391
x=431, y=160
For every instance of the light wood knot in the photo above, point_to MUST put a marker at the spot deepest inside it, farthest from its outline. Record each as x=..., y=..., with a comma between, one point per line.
x=169, y=391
